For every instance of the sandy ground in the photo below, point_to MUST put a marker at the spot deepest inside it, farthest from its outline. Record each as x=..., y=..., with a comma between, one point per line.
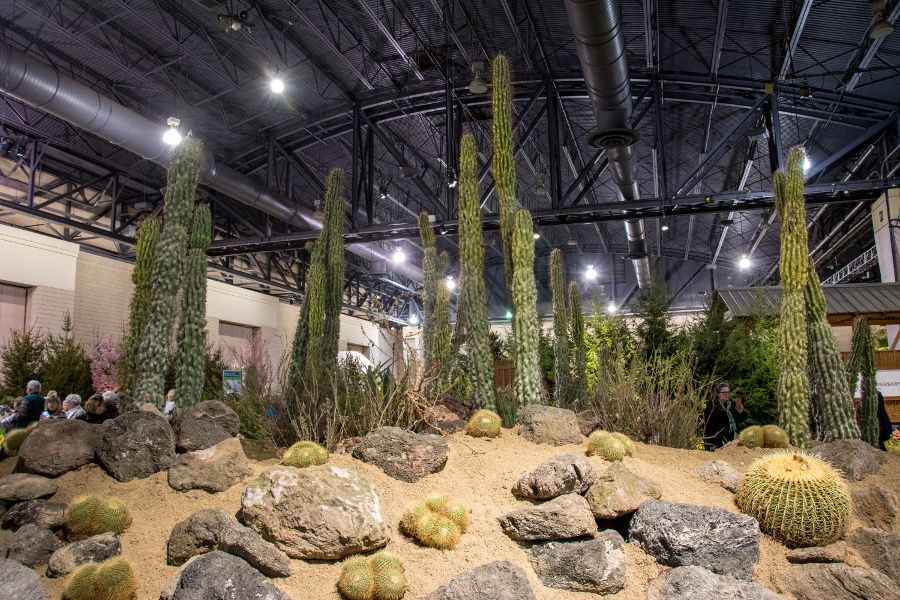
x=479, y=474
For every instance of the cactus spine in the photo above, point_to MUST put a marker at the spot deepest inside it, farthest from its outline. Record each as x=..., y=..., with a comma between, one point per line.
x=793, y=383
x=504, y=160
x=305, y=454
x=528, y=385
x=429, y=288
x=578, y=381
x=834, y=398
x=192, y=329
x=862, y=362
x=561, y=363
x=437, y=522
x=168, y=263
x=145, y=249
x=484, y=423
x=89, y=515
x=112, y=579
x=441, y=359
x=473, y=296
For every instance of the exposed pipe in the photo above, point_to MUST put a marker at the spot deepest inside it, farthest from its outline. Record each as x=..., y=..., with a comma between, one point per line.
x=45, y=88
x=600, y=43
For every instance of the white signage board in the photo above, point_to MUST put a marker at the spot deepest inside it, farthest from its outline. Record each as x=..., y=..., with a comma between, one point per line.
x=888, y=383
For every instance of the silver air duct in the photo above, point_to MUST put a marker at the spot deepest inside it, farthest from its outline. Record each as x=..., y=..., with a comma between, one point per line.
x=43, y=87
x=600, y=44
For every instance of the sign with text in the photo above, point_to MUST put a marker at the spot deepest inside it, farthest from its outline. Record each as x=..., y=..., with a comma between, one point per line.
x=231, y=380
x=887, y=382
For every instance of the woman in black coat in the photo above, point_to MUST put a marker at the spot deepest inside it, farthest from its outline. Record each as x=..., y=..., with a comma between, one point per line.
x=721, y=416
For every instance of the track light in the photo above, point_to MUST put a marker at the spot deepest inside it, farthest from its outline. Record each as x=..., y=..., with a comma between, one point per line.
x=590, y=274
x=414, y=319
x=450, y=283
x=172, y=137
x=478, y=85
x=744, y=263
x=276, y=84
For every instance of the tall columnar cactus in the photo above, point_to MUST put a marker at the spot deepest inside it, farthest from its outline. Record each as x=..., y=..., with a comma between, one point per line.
x=168, y=266
x=192, y=329
x=793, y=383
x=441, y=359
x=504, y=159
x=472, y=293
x=833, y=396
x=528, y=385
x=561, y=363
x=429, y=287
x=333, y=239
x=862, y=362
x=145, y=249
x=578, y=381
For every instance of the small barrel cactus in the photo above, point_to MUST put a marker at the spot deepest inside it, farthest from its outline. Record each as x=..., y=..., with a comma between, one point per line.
x=304, y=454
x=89, y=515
x=604, y=444
x=626, y=441
x=484, y=423
x=438, y=522
x=775, y=437
x=15, y=439
x=112, y=579
x=357, y=580
x=379, y=578
x=752, y=437
x=797, y=499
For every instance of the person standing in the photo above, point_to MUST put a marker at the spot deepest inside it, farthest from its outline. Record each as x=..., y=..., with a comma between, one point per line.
x=721, y=416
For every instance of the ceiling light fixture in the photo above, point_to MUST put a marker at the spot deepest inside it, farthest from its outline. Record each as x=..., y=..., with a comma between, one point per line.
x=508, y=314
x=413, y=319
x=537, y=236
x=451, y=283
x=806, y=90
x=399, y=256
x=744, y=263
x=172, y=137
x=276, y=84
x=540, y=190
x=478, y=85
x=611, y=308
x=881, y=28
x=664, y=226
x=590, y=274
x=807, y=164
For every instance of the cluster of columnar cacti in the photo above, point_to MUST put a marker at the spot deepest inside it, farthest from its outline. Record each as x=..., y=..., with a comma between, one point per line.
x=304, y=454
x=528, y=384
x=145, y=250
x=429, y=288
x=89, y=515
x=192, y=328
x=438, y=522
x=609, y=446
x=112, y=579
x=168, y=262
x=504, y=159
x=766, y=436
x=793, y=383
x=472, y=292
x=578, y=378
x=561, y=358
x=797, y=499
x=833, y=399
x=862, y=363
x=381, y=577
x=15, y=438
x=484, y=423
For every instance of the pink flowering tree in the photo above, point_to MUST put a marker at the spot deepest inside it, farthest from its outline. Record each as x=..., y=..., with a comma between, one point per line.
x=104, y=356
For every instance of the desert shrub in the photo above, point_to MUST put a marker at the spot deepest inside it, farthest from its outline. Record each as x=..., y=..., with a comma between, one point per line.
x=66, y=365
x=605, y=334
x=252, y=404
x=507, y=407
x=23, y=359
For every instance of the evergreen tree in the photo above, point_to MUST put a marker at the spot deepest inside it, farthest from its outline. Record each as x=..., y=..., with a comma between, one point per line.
x=561, y=362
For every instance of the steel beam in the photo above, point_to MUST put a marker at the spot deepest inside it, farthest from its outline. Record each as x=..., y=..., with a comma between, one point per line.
x=794, y=40
x=837, y=157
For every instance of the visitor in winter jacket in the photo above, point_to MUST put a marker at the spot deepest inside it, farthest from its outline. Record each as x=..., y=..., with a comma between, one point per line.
x=111, y=404
x=885, y=431
x=721, y=416
x=169, y=407
x=72, y=406
x=52, y=407
x=94, y=411
x=28, y=410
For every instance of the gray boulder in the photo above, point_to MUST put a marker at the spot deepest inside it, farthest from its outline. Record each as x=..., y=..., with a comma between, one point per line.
x=44, y=514
x=879, y=548
x=19, y=582
x=697, y=583
x=136, y=445
x=562, y=518
x=596, y=565
x=499, y=580
x=562, y=474
x=855, y=458
x=875, y=506
x=549, y=425
x=588, y=421
x=30, y=545
x=221, y=576
x=689, y=535
x=719, y=471
x=836, y=581
x=321, y=512
x=832, y=553
x=213, y=469
x=402, y=454
x=25, y=486
x=619, y=492
x=59, y=446
x=93, y=549
x=204, y=425
x=214, y=529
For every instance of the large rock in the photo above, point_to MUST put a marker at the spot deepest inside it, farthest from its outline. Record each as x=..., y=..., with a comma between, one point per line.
x=59, y=446
x=446, y=415
x=204, y=425
x=18, y=582
x=875, y=506
x=221, y=576
x=93, y=549
x=562, y=474
x=855, y=458
x=25, y=486
x=321, y=512
x=689, y=535
x=562, y=518
x=402, y=454
x=697, y=583
x=832, y=553
x=214, y=469
x=548, y=425
x=30, y=545
x=719, y=471
x=588, y=421
x=214, y=529
x=136, y=445
x=499, y=580
x=879, y=548
x=44, y=514
x=596, y=565
x=836, y=581
x=619, y=492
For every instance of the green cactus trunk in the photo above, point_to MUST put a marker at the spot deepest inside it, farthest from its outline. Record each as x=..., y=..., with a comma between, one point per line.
x=472, y=295
x=862, y=362
x=168, y=266
x=192, y=328
x=528, y=385
x=578, y=381
x=429, y=288
x=145, y=249
x=561, y=362
x=834, y=400
x=504, y=159
x=441, y=358
x=333, y=240
x=793, y=383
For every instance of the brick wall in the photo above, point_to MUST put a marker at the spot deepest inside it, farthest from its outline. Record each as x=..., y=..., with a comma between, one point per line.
x=47, y=308
x=103, y=291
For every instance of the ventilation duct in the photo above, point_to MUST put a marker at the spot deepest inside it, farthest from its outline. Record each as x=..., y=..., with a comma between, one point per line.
x=43, y=87
x=600, y=44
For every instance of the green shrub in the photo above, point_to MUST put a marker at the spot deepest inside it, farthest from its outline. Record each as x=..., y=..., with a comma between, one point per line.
x=507, y=407
x=66, y=364
x=22, y=357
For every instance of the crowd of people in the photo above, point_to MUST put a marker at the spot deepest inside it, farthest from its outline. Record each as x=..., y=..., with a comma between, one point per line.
x=34, y=407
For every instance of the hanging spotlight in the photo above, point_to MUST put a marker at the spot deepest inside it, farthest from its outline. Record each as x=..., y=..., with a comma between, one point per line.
x=744, y=263
x=537, y=236
x=451, y=179
x=590, y=274
x=413, y=319
x=611, y=308
x=172, y=137
x=450, y=283
x=399, y=256
x=664, y=226
x=478, y=85
x=508, y=314
x=806, y=90
x=881, y=28
x=276, y=84
x=807, y=164
x=540, y=190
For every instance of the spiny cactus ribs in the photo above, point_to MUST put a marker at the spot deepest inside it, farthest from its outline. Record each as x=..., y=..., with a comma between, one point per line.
x=112, y=579
x=484, y=423
x=305, y=454
x=89, y=515
x=438, y=522
x=380, y=578
x=610, y=446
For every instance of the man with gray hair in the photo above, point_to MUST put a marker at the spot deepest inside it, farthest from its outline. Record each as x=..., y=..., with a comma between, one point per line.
x=72, y=406
x=28, y=410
